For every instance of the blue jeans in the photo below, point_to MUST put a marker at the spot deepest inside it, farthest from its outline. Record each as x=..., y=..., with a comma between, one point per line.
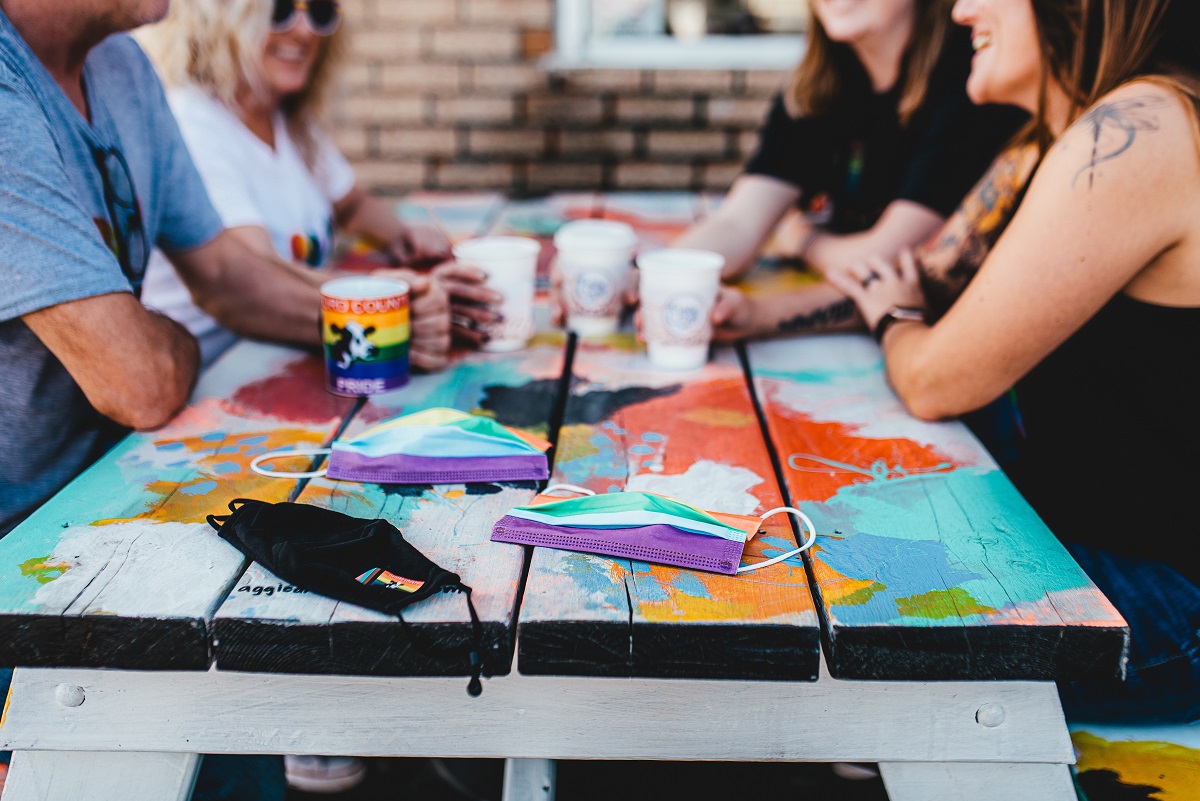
x=222, y=777
x=1163, y=611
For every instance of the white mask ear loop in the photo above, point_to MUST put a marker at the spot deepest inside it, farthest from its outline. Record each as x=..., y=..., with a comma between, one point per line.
x=569, y=488
x=262, y=471
x=810, y=536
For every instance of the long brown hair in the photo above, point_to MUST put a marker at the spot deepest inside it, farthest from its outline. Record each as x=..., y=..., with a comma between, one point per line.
x=1091, y=47
x=819, y=77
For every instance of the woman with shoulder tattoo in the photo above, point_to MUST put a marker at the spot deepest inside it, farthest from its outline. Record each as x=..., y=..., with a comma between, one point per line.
x=1088, y=302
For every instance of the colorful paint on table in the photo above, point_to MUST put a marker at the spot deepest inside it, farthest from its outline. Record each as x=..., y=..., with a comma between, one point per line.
x=1137, y=763
x=923, y=541
x=450, y=523
x=691, y=436
x=114, y=544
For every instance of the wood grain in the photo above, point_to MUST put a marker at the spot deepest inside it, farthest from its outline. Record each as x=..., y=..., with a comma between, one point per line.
x=928, y=564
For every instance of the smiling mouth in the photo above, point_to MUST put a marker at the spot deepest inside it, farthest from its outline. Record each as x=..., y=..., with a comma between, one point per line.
x=981, y=41
x=290, y=54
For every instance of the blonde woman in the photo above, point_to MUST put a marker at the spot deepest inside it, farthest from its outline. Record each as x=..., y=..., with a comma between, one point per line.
x=245, y=80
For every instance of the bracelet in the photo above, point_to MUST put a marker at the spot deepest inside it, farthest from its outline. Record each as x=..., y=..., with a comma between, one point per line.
x=896, y=314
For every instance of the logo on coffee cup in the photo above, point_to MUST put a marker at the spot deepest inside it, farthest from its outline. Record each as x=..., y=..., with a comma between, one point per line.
x=593, y=291
x=683, y=316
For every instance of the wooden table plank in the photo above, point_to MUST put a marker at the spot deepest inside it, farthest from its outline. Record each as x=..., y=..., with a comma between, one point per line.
x=120, y=568
x=929, y=564
x=289, y=632
x=693, y=436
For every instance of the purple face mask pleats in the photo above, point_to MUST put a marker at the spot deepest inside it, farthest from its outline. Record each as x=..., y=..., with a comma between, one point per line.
x=660, y=543
x=439, y=446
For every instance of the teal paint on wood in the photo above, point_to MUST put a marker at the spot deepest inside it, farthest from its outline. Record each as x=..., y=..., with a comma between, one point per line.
x=920, y=531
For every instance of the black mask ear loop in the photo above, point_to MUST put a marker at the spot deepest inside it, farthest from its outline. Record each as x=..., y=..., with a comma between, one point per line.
x=475, y=647
x=216, y=522
x=474, y=686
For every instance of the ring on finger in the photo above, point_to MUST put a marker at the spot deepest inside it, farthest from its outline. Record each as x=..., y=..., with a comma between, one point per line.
x=871, y=276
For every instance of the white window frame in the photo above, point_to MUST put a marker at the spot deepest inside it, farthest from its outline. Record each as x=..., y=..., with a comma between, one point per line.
x=576, y=48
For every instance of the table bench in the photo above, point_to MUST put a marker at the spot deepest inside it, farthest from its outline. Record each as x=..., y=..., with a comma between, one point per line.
x=923, y=631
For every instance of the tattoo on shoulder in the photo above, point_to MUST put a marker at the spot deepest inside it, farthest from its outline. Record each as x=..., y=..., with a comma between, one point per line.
x=838, y=312
x=1123, y=119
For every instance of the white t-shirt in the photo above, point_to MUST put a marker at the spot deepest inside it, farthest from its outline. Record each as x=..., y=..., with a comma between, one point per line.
x=249, y=183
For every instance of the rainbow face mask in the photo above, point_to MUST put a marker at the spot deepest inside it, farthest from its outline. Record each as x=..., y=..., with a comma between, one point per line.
x=643, y=526
x=436, y=446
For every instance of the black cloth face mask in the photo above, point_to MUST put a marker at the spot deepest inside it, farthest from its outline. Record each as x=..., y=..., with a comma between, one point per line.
x=364, y=562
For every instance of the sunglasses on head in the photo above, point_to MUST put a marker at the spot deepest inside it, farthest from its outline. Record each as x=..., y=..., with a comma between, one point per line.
x=323, y=15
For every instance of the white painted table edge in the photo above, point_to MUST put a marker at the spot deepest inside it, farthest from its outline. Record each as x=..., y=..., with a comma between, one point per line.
x=980, y=740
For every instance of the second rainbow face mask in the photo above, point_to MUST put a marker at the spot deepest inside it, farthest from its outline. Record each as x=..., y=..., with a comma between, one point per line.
x=639, y=525
x=436, y=446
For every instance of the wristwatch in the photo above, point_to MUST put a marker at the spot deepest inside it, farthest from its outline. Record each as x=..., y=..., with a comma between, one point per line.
x=908, y=313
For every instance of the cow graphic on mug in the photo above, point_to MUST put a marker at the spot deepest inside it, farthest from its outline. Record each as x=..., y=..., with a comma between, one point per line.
x=353, y=344
x=365, y=330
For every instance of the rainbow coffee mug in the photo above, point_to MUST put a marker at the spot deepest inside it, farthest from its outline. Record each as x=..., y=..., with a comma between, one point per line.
x=365, y=330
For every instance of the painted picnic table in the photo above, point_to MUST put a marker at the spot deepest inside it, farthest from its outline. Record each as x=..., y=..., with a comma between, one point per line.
x=941, y=604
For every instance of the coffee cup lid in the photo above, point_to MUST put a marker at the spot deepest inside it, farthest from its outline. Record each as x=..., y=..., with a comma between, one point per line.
x=363, y=287
x=680, y=260
x=496, y=247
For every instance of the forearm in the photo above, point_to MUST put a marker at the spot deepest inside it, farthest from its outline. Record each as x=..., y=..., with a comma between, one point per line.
x=923, y=389
x=360, y=213
x=135, y=366
x=816, y=309
x=744, y=220
x=272, y=300
x=738, y=242
x=903, y=225
x=253, y=294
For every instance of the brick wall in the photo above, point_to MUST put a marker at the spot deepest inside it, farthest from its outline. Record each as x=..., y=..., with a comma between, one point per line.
x=447, y=94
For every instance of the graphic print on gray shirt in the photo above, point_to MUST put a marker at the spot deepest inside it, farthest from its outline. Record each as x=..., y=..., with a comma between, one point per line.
x=51, y=249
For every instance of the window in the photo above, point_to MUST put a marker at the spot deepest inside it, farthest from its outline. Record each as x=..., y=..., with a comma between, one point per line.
x=679, y=34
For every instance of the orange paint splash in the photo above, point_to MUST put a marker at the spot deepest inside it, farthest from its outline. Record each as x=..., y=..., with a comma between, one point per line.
x=1173, y=770
x=819, y=458
x=716, y=425
x=221, y=474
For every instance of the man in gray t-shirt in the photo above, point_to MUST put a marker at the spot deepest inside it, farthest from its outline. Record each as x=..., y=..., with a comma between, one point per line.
x=93, y=173
x=53, y=254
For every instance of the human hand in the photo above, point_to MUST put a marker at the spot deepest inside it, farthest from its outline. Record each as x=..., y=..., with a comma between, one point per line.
x=558, y=304
x=418, y=245
x=472, y=304
x=876, y=285
x=429, y=307
x=733, y=315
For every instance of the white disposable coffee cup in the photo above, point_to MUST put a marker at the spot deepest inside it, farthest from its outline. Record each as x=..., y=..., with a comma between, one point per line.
x=594, y=258
x=678, y=289
x=511, y=266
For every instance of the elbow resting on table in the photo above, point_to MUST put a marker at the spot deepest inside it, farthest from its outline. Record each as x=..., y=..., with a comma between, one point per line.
x=152, y=397
x=144, y=410
x=929, y=394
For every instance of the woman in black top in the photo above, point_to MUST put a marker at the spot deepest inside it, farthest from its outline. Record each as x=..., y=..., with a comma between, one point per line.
x=1089, y=302
x=866, y=151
